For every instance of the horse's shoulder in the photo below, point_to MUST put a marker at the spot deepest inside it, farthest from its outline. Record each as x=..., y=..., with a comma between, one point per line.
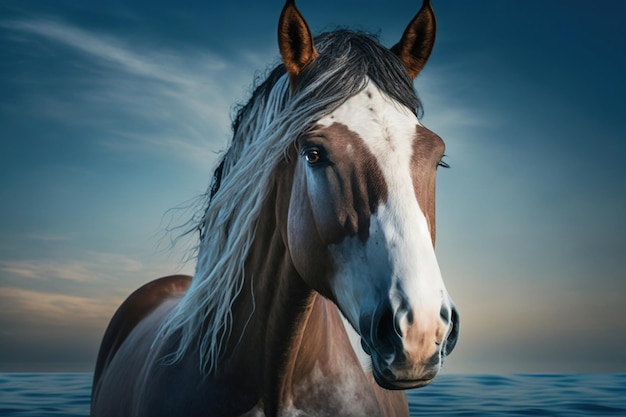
x=133, y=310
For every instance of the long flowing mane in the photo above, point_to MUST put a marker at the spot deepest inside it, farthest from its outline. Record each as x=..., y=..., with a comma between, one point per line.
x=263, y=131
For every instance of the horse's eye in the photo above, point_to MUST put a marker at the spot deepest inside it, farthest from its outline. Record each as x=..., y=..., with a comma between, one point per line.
x=312, y=156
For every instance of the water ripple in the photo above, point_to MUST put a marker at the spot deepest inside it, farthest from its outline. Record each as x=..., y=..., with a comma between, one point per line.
x=522, y=395
x=67, y=395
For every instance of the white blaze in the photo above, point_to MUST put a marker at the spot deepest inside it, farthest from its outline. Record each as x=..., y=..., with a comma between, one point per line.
x=398, y=253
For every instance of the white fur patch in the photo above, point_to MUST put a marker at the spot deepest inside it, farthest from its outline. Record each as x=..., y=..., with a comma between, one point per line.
x=398, y=254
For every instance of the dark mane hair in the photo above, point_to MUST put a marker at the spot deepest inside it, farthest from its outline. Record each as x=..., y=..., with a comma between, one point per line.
x=359, y=54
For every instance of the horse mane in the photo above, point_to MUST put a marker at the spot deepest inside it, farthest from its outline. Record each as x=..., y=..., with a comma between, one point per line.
x=263, y=131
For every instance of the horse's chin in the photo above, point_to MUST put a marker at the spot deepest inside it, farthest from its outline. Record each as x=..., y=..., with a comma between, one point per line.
x=385, y=377
x=401, y=384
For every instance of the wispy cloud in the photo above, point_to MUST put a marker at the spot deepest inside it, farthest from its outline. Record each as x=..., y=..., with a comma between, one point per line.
x=107, y=48
x=57, y=309
x=76, y=297
x=142, y=97
x=97, y=267
x=103, y=273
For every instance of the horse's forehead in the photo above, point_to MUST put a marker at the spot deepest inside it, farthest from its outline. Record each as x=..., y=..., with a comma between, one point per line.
x=387, y=129
x=375, y=118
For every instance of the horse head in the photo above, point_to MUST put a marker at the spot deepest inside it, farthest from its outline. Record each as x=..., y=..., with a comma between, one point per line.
x=361, y=220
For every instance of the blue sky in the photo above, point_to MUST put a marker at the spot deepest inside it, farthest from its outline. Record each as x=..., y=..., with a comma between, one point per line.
x=113, y=114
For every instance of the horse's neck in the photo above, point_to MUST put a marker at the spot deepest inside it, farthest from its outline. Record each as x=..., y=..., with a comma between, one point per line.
x=272, y=306
x=293, y=347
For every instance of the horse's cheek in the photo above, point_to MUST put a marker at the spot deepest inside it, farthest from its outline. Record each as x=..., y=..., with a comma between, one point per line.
x=307, y=230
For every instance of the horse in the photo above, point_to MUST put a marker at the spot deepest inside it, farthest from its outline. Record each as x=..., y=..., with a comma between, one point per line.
x=317, y=291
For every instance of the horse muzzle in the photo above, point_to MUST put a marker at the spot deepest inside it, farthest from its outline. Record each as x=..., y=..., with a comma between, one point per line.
x=408, y=351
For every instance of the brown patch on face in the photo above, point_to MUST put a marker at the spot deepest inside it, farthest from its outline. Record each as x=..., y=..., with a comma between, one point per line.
x=428, y=149
x=353, y=181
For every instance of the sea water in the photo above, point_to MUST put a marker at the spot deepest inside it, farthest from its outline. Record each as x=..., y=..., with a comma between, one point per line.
x=67, y=395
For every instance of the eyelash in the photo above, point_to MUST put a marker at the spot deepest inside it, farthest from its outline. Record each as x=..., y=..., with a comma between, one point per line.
x=442, y=164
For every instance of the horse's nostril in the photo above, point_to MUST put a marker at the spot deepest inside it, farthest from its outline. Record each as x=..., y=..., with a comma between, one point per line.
x=444, y=313
x=453, y=335
x=387, y=334
x=385, y=324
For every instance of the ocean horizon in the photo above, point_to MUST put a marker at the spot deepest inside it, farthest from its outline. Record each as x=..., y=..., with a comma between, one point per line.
x=489, y=395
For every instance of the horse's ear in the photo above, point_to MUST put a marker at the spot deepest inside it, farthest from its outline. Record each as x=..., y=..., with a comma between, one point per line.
x=295, y=41
x=417, y=41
